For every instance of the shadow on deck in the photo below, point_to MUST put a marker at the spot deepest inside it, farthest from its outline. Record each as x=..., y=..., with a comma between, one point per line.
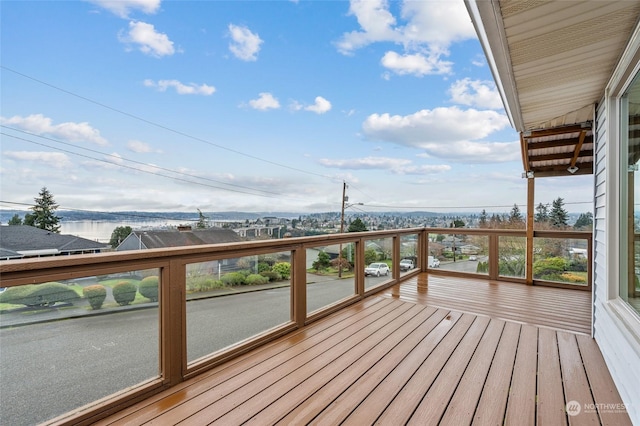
x=417, y=353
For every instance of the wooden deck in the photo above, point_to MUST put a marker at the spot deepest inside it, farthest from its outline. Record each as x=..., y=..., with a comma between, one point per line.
x=392, y=359
x=557, y=308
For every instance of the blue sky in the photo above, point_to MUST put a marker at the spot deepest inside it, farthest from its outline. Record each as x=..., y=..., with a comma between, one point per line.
x=256, y=106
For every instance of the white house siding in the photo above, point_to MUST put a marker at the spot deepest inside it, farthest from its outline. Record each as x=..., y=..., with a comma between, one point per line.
x=620, y=351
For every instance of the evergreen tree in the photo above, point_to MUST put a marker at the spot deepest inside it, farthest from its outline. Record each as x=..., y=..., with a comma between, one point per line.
x=558, y=215
x=43, y=215
x=585, y=221
x=357, y=226
x=483, y=222
x=15, y=220
x=542, y=213
x=515, y=217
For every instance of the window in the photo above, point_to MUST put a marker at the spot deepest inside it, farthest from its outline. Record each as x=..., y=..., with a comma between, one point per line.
x=630, y=251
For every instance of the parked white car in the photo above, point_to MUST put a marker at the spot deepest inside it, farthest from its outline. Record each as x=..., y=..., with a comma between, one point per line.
x=406, y=264
x=433, y=262
x=376, y=269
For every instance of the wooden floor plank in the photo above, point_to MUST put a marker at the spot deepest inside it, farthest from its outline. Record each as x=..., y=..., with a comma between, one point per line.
x=605, y=394
x=574, y=378
x=437, y=399
x=540, y=306
x=462, y=406
x=228, y=380
x=493, y=400
x=551, y=404
x=358, y=378
x=398, y=357
x=216, y=402
x=175, y=396
x=405, y=402
x=376, y=394
x=521, y=405
x=277, y=385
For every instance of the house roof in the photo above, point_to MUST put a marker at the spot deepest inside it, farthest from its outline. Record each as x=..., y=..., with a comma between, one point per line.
x=552, y=61
x=31, y=241
x=175, y=238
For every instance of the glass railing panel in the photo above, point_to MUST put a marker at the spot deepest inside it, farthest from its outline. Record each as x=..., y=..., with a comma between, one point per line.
x=330, y=275
x=512, y=256
x=562, y=260
x=459, y=253
x=408, y=253
x=69, y=343
x=232, y=299
x=378, y=261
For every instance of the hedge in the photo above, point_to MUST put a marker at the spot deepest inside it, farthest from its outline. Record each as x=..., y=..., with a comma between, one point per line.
x=149, y=288
x=96, y=294
x=255, y=279
x=46, y=294
x=124, y=292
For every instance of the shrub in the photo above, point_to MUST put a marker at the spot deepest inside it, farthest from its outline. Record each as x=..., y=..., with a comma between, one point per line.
x=549, y=266
x=95, y=294
x=202, y=283
x=233, y=278
x=149, y=288
x=263, y=267
x=271, y=275
x=46, y=294
x=283, y=268
x=482, y=268
x=124, y=292
x=245, y=272
x=255, y=279
x=578, y=264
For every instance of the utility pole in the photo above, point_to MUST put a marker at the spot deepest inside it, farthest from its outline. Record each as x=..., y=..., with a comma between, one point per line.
x=344, y=199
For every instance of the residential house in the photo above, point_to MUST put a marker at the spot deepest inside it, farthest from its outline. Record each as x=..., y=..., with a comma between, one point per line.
x=141, y=240
x=22, y=241
x=569, y=77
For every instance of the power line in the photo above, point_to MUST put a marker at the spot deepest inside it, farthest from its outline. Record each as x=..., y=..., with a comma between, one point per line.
x=129, y=160
x=163, y=127
x=144, y=171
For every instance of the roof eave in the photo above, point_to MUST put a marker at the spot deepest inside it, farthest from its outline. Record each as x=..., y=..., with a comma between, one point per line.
x=487, y=20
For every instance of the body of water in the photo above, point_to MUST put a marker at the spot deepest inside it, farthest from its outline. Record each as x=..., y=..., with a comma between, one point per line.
x=101, y=231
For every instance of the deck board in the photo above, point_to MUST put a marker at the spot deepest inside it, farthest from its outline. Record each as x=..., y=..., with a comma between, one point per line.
x=392, y=360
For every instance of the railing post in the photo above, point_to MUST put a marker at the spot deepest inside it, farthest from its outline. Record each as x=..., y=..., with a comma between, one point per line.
x=423, y=254
x=359, y=267
x=494, y=252
x=395, y=257
x=173, y=322
x=529, y=242
x=299, y=286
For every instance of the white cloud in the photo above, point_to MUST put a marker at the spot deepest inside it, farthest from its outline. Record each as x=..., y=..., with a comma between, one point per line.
x=320, y=107
x=245, y=45
x=416, y=64
x=427, y=30
x=123, y=8
x=149, y=41
x=395, y=165
x=474, y=152
x=69, y=131
x=450, y=133
x=475, y=93
x=437, y=125
x=265, y=102
x=57, y=160
x=140, y=147
x=181, y=88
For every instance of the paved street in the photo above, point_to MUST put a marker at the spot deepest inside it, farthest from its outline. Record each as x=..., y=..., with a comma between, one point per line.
x=63, y=364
